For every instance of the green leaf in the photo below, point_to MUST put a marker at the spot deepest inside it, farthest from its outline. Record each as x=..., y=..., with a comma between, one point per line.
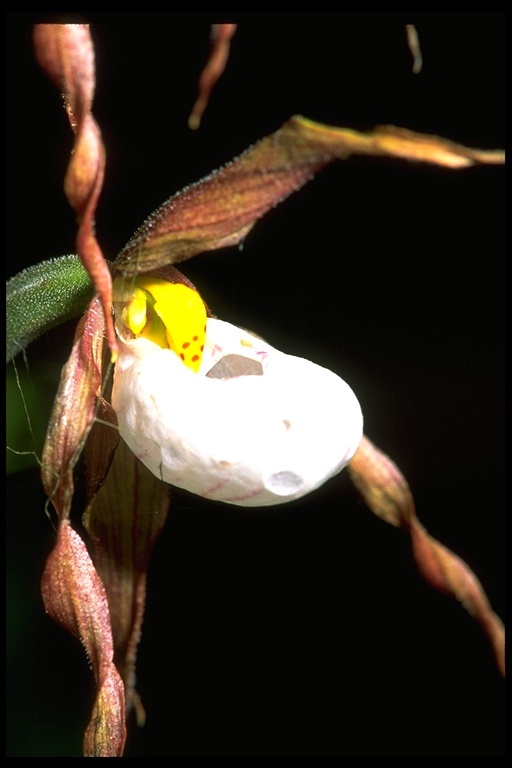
x=42, y=297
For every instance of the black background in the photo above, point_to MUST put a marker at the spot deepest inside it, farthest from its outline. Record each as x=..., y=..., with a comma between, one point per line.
x=303, y=630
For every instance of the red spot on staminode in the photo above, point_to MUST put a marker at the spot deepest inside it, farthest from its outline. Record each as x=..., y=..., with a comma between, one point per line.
x=195, y=358
x=185, y=344
x=195, y=338
x=202, y=347
x=182, y=356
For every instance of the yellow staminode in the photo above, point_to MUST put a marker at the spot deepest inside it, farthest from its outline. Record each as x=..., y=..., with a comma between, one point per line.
x=134, y=314
x=171, y=315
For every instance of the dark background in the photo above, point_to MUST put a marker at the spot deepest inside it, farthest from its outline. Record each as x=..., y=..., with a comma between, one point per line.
x=304, y=630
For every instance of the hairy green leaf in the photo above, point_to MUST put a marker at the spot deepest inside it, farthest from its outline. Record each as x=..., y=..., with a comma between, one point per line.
x=43, y=296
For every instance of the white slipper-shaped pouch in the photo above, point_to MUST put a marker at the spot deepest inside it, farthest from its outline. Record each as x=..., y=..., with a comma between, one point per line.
x=221, y=413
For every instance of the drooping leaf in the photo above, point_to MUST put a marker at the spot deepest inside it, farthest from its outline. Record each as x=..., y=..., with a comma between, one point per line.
x=222, y=208
x=43, y=296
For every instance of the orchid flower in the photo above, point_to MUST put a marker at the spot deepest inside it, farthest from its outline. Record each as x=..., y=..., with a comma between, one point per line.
x=254, y=426
x=159, y=393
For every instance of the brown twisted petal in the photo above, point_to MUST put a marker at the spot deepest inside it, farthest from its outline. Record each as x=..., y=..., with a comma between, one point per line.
x=387, y=494
x=74, y=596
x=65, y=52
x=73, y=409
x=221, y=39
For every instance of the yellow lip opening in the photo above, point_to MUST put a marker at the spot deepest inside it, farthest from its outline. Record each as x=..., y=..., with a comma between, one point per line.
x=172, y=315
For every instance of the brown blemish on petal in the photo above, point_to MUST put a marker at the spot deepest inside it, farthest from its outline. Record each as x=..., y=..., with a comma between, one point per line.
x=231, y=366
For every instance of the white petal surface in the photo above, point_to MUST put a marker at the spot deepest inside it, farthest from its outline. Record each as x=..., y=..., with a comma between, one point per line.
x=251, y=440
